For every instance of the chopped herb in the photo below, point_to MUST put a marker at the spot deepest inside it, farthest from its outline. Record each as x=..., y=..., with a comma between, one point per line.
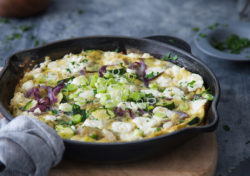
x=202, y=35
x=73, y=63
x=226, y=127
x=195, y=29
x=36, y=42
x=118, y=71
x=4, y=20
x=14, y=36
x=94, y=136
x=95, y=91
x=191, y=84
x=158, y=129
x=26, y=28
x=194, y=121
x=32, y=37
x=175, y=57
x=181, y=121
x=184, y=98
x=170, y=106
x=151, y=75
x=68, y=70
x=116, y=50
x=248, y=142
x=167, y=56
x=171, y=41
x=79, y=11
x=54, y=112
x=84, y=61
x=213, y=26
x=233, y=43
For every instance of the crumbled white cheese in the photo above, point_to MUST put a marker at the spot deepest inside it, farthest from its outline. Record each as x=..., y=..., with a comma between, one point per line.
x=196, y=107
x=155, y=70
x=93, y=123
x=130, y=70
x=27, y=85
x=87, y=94
x=108, y=135
x=155, y=93
x=192, y=82
x=145, y=124
x=134, y=135
x=161, y=112
x=163, y=82
x=173, y=92
x=167, y=125
x=49, y=117
x=146, y=55
x=65, y=107
x=122, y=127
x=132, y=105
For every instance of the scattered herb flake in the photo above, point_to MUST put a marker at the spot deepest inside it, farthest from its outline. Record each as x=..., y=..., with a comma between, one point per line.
x=32, y=37
x=80, y=11
x=175, y=57
x=202, y=35
x=54, y=112
x=26, y=28
x=94, y=136
x=36, y=42
x=171, y=41
x=84, y=61
x=226, y=127
x=213, y=26
x=68, y=70
x=4, y=20
x=13, y=37
x=233, y=43
x=167, y=56
x=195, y=29
x=116, y=50
x=191, y=84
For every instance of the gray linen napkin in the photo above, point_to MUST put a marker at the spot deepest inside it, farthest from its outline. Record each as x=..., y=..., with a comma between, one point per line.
x=28, y=147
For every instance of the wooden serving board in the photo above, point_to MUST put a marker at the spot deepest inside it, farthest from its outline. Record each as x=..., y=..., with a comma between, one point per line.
x=197, y=157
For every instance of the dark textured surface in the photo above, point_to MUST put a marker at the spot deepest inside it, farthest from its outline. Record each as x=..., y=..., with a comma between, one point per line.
x=142, y=18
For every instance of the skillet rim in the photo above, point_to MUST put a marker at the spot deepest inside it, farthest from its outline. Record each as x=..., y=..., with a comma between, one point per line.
x=205, y=128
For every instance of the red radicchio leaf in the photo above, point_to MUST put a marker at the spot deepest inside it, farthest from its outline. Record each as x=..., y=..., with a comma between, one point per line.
x=118, y=111
x=102, y=69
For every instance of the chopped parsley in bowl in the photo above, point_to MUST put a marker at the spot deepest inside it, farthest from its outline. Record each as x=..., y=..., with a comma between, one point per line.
x=103, y=96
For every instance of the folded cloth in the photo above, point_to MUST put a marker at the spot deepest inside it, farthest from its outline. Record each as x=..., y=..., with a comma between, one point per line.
x=28, y=147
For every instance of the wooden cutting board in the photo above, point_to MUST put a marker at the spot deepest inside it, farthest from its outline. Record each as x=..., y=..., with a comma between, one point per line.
x=197, y=157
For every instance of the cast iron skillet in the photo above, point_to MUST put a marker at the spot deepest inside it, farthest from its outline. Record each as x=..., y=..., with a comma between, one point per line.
x=120, y=151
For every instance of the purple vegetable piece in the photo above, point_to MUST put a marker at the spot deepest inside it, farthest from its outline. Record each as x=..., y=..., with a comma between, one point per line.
x=118, y=111
x=141, y=111
x=51, y=95
x=83, y=71
x=44, y=101
x=131, y=113
x=182, y=114
x=102, y=69
x=41, y=107
x=30, y=92
x=36, y=93
x=58, y=88
x=134, y=65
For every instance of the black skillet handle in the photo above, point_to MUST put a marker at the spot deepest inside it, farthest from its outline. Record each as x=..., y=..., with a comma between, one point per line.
x=179, y=43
